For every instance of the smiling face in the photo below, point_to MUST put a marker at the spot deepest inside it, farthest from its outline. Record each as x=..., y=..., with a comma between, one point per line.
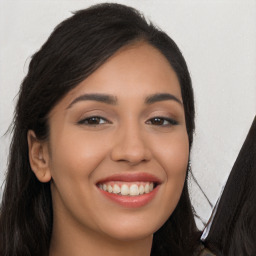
x=118, y=147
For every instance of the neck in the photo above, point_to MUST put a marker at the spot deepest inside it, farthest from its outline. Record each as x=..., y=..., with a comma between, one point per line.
x=74, y=240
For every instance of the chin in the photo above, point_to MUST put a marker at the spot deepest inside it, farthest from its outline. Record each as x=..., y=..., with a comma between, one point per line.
x=130, y=231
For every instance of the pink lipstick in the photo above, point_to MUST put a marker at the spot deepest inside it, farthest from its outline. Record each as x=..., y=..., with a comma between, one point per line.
x=131, y=189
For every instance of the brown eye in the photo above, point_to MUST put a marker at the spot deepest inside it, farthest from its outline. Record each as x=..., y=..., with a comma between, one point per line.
x=157, y=121
x=94, y=120
x=162, y=121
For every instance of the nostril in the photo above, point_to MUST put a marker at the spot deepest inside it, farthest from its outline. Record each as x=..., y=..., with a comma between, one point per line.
x=130, y=146
x=131, y=156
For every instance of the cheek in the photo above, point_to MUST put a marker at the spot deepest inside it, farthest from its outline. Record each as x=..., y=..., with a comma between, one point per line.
x=77, y=151
x=177, y=157
x=173, y=155
x=74, y=159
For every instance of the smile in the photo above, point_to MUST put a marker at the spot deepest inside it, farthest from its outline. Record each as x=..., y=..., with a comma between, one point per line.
x=127, y=188
x=130, y=190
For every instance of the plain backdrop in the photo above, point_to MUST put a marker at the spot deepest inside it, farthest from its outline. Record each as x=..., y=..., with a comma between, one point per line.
x=218, y=41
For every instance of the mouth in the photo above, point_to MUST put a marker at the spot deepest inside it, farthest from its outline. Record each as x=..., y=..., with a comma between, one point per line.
x=130, y=190
x=127, y=188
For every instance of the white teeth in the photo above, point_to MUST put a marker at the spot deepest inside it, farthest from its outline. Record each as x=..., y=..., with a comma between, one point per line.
x=147, y=188
x=116, y=189
x=125, y=190
x=134, y=190
x=128, y=188
x=141, y=189
x=110, y=189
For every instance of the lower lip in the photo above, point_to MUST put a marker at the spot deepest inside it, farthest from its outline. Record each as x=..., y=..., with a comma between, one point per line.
x=131, y=201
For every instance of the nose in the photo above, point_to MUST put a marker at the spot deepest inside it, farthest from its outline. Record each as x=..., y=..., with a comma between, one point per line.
x=130, y=145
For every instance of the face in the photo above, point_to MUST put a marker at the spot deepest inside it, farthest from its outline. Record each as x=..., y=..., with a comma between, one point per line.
x=119, y=147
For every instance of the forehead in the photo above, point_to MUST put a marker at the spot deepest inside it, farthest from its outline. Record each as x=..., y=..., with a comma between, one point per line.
x=136, y=70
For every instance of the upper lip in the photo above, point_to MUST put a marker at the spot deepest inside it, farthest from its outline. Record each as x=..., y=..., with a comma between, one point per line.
x=131, y=177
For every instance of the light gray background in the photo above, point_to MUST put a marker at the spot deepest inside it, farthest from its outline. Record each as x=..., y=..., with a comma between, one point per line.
x=218, y=40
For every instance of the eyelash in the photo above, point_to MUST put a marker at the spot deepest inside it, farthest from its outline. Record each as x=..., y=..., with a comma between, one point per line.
x=164, y=121
x=87, y=120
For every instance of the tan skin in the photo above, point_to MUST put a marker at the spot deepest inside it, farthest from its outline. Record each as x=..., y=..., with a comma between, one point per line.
x=129, y=135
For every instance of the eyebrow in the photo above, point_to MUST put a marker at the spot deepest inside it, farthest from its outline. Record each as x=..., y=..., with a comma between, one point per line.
x=112, y=100
x=104, y=98
x=161, y=97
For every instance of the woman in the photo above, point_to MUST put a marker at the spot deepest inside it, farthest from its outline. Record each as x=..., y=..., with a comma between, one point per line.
x=101, y=139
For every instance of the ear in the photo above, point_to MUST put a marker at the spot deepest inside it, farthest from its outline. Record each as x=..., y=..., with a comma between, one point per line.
x=39, y=157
